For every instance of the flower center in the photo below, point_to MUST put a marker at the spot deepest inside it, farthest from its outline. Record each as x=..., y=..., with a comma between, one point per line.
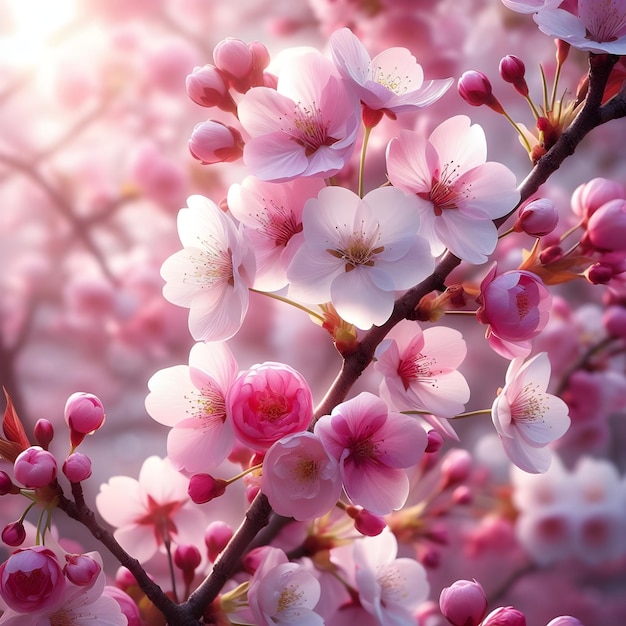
x=306, y=471
x=206, y=404
x=390, y=80
x=530, y=404
x=273, y=407
x=417, y=369
x=61, y=618
x=288, y=597
x=278, y=224
x=362, y=452
x=445, y=191
x=358, y=248
x=213, y=266
x=309, y=128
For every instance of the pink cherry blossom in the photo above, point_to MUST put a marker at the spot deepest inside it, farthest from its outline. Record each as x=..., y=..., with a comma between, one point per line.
x=420, y=372
x=150, y=511
x=598, y=27
x=389, y=588
x=357, y=253
x=299, y=478
x=526, y=417
x=192, y=400
x=373, y=448
x=516, y=306
x=212, y=273
x=267, y=402
x=459, y=193
x=272, y=216
x=393, y=80
x=306, y=127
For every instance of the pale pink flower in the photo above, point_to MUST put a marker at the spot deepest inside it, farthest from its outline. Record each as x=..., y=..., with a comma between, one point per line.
x=516, y=307
x=526, y=417
x=281, y=592
x=530, y=6
x=392, y=81
x=389, y=588
x=373, y=448
x=152, y=510
x=272, y=216
x=211, y=275
x=306, y=127
x=299, y=478
x=420, y=372
x=599, y=26
x=458, y=192
x=192, y=400
x=267, y=402
x=358, y=252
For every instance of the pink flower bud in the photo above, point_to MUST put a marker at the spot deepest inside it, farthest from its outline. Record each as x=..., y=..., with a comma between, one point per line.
x=512, y=70
x=464, y=603
x=214, y=142
x=234, y=57
x=124, y=578
x=435, y=441
x=589, y=197
x=44, y=433
x=606, y=229
x=365, y=522
x=84, y=414
x=81, y=569
x=268, y=402
x=456, y=466
x=14, y=534
x=564, y=620
x=35, y=467
x=204, y=488
x=599, y=273
x=462, y=495
x=216, y=537
x=474, y=87
x=187, y=557
x=31, y=580
x=505, y=616
x=614, y=320
x=127, y=605
x=207, y=87
x=551, y=254
x=537, y=218
x=6, y=485
x=77, y=467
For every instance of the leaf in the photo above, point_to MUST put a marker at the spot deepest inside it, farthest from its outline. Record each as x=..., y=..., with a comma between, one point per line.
x=12, y=426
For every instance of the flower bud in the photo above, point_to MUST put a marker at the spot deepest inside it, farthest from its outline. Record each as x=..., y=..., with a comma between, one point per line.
x=14, y=534
x=234, y=57
x=456, y=467
x=434, y=442
x=84, y=414
x=216, y=538
x=614, y=321
x=44, y=433
x=214, y=142
x=564, y=620
x=6, y=485
x=204, y=488
x=77, y=467
x=589, y=197
x=505, y=616
x=127, y=605
x=462, y=495
x=537, y=218
x=124, y=578
x=35, y=467
x=512, y=70
x=599, y=273
x=206, y=86
x=365, y=522
x=474, y=87
x=551, y=254
x=464, y=603
x=81, y=569
x=606, y=229
x=187, y=558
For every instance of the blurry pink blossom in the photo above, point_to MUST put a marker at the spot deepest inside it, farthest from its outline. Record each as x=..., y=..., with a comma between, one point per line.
x=358, y=252
x=516, y=306
x=459, y=193
x=299, y=478
x=272, y=216
x=590, y=196
x=211, y=275
x=35, y=467
x=373, y=448
x=267, y=402
x=530, y=6
x=393, y=81
x=306, y=127
x=389, y=588
x=150, y=511
x=192, y=400
x=606, y=228
x=526, y=417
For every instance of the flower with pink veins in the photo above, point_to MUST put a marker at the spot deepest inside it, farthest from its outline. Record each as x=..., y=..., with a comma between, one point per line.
x=299, y=478
x=272, y=217
x=393, y=81
x=282, y=593
x=192, y=400
x=307, y=126
x=211, y=275
x=459, y=193
x=358, y=252
x=152, y=511
x=526, y=417
x=599, y=26
x=389, y=588
x=420, y=372
x=374, y=448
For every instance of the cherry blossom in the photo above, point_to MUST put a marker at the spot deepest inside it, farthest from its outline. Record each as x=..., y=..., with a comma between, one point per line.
x=458, y=192
x=272, y=216
x=192, y=400
x=306, y=127
x=358, y=252
x=373, y=448
x=389, y=588
x=151, y=511
x=530, y=6
x=392, y=81
x=212, y=273
x=299, y=478
x=598, y=27
x=526, y=417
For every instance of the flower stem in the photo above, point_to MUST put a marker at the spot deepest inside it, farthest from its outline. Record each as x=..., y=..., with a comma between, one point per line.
x=170, y=563
x=471, y=414
x=366, y=136
x=291, y=302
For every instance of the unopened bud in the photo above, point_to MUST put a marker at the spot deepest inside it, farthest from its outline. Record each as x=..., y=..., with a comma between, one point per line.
x=44, y=433
x=14, y=534
x=77, y=467
x=204, y=488
x=464, y=603
x=474, y=87
x=216, y=538
x=512, y=70
x=365, y=522
x=434, y=442
x=35, y=467
x=505, y=616
x=214, y=142
x=81, y=569
x=456, y=467
x=537, y=218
